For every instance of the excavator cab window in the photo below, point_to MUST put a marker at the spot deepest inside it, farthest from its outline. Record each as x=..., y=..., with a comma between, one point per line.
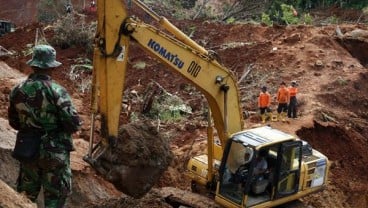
x=235, y=171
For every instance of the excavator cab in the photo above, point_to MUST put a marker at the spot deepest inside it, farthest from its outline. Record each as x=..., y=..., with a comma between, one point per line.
x=242, y=185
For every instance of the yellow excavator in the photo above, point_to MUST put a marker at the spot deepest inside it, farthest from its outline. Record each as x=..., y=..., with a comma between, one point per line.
x=291, y=168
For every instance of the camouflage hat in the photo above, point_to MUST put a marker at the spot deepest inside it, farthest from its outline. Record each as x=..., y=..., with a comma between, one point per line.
x=43, y=57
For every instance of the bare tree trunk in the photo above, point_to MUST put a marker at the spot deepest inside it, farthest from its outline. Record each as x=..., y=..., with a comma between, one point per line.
x=231, y=8
x=245, y=8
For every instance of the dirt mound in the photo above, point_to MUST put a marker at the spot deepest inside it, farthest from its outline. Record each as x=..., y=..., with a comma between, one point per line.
x=10, y=198
x=349, y=157
x=135, y=163
x=89, y=188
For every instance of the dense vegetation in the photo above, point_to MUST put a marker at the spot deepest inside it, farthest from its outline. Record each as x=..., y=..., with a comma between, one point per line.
x=271, y=11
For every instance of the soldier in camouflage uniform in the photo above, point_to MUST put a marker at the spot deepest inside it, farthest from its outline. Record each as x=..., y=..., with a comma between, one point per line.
x=39, y=104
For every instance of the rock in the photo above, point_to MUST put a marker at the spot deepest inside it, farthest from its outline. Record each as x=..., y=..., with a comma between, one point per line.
x=319, y=64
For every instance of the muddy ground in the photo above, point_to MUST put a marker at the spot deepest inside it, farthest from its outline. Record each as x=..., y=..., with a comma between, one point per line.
x=333, y=103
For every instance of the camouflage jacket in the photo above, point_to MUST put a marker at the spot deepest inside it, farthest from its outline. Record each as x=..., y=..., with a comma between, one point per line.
x=40, y=104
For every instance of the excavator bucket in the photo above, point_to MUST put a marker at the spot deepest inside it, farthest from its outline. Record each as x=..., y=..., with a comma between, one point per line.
x=136, y=161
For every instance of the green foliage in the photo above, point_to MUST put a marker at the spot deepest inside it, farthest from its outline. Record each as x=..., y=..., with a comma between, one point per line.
x=280, y=11
x=49, y=2
x=134, y=117
x=311, y=4
x=365, y=10
x=287, y=14
x=170, y=115
x=140, y=65
x=169, y=107
x=275, y=12
x=70, y=31
x=341, y=81
x=80, y=74
x=266, y=19
x=191, y=30
x=333, y=20
x=307, y=19
x=355, y=4
x=230, y=20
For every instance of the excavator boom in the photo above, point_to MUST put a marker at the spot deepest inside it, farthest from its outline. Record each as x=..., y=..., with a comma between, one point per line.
x=116, y=29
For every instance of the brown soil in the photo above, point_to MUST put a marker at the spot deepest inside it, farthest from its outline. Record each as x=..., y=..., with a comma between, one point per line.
x=137, y=159
x=333, y=104
x=10, y=198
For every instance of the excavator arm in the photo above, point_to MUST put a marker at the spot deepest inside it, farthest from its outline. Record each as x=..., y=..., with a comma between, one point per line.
x=169, y=45
x=109, y=64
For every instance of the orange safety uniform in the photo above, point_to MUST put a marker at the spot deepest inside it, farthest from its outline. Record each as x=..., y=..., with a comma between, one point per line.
x=293, y=91
x=264, y=100
x=283, y=95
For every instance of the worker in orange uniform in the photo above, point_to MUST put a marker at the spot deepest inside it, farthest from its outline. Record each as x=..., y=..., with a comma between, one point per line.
x=293, y=90
x=283, y=98
x=264, y=102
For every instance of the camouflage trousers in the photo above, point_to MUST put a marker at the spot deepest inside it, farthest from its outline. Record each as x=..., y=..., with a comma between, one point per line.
x=52, y=172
